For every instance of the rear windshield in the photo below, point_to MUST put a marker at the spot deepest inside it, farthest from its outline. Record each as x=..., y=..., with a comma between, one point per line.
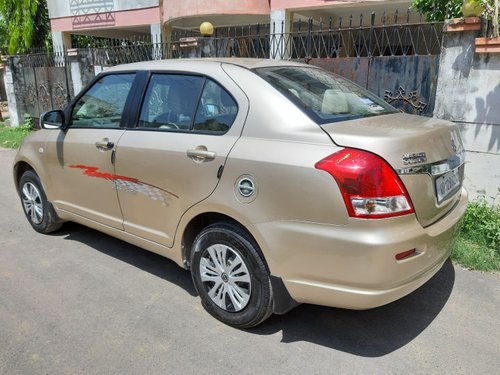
x=324, y=96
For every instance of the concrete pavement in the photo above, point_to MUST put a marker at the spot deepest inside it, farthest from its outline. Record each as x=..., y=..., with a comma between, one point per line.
x=81, y=302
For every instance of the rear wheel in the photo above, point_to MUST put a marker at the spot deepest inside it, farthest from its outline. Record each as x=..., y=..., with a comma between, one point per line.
x=230, y=276
x=37, y=209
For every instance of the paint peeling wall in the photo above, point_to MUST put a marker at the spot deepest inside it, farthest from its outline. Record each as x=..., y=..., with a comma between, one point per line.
x=469, y=83
x=468, y=93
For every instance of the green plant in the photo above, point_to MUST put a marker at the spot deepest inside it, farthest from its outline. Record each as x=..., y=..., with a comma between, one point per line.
x=478, y=243
x=25, y=24
x=439, y=10
x=473, y=8
x=28, y=123
x=12, y=137
x=472, y=255
x=492, y=14
x=482, y=222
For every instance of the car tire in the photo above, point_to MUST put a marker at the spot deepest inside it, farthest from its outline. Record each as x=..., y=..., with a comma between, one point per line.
x=230, y=276
x=36, y=207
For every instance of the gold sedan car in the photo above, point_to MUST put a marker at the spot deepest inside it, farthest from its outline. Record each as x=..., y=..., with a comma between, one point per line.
x=275, y=183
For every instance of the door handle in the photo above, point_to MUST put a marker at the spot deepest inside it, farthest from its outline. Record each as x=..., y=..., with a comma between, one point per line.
x=201, y=154
x=104, y=144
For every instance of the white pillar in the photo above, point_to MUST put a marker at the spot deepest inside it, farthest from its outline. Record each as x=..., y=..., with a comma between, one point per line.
x=156, y=40
x=14, y=115
x=60, y=40
x=76, y=77
x=281, y=26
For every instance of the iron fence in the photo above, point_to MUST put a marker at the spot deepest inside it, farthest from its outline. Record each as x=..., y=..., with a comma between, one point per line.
x=395, y=34
x=360, y=41
x=40, y=57
x=46, y=79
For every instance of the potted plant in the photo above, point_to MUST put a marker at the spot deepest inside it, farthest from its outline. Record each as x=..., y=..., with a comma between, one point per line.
x=471, y=11
x=473, y=8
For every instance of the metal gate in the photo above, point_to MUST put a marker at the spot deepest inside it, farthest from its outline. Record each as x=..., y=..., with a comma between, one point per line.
x=41, y=82
x=395, y=56
x=406, y=82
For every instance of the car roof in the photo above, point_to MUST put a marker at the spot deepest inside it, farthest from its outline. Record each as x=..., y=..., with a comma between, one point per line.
x=247, y=63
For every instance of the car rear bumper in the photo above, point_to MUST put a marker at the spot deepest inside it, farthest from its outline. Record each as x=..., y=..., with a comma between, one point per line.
x=354, y=266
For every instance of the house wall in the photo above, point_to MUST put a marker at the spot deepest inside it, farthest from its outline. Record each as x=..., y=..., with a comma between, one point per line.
x=68, y=8
x=123, y=18
x=106, y=18
x=297, y=4
x=188, y=8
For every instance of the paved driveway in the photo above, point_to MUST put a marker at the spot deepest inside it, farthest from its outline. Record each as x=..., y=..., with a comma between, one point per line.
x=81, y=302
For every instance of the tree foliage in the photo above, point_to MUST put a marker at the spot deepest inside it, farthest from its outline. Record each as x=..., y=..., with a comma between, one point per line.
x=27, y=24
x=439, y=10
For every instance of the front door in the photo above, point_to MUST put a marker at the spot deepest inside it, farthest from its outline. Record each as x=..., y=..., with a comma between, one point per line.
x=171, y=160
x=80, y=157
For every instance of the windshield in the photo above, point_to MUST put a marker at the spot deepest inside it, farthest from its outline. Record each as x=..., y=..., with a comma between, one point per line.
x=324, y=96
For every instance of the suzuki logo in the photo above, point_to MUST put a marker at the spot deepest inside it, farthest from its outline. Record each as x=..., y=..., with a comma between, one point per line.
x=416, y=158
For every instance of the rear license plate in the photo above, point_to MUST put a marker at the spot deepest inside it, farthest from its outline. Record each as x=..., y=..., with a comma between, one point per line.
x=447, y=183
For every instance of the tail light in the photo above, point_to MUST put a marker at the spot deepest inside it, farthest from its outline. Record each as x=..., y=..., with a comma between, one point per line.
x=369, y=186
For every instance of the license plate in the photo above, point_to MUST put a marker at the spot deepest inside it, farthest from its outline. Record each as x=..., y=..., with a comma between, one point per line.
x=447, y=183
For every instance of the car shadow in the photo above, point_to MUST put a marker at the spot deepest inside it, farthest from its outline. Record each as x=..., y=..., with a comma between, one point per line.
x=133, y=255
x=369, y=333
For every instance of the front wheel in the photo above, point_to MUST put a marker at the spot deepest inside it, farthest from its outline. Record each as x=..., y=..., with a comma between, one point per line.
x=35, y=205
x=230, y=276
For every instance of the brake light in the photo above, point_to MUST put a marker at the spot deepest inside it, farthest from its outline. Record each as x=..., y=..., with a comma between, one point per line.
x=369, y=186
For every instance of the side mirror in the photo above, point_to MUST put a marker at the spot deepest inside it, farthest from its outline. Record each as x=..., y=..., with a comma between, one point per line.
x=52, y=120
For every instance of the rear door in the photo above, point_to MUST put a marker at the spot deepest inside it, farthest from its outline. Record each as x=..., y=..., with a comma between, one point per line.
x=185, y=128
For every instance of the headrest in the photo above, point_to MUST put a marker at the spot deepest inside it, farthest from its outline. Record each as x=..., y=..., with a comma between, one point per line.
x=334, y=101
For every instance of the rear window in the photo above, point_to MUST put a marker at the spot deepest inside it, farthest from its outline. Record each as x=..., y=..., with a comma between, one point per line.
x=324, y=96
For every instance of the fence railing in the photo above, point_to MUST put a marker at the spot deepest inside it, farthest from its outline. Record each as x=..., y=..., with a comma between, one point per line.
x=393, y=34
x=358, y=41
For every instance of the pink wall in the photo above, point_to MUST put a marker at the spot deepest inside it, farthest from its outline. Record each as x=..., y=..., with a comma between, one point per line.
x=123, y=18
x=291, y=4
x=187, y=8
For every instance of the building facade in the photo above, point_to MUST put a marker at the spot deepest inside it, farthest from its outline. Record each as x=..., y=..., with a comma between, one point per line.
x=157, y=19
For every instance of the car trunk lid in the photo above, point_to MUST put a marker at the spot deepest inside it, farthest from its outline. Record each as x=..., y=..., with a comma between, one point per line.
x=426, y=153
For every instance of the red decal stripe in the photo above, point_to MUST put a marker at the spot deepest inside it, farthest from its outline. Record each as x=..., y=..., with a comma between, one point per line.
x=93, y=172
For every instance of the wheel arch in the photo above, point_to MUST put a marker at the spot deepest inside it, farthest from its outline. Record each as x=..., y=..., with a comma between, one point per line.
x=282, y=300
x=200, y=221
x=19, y=169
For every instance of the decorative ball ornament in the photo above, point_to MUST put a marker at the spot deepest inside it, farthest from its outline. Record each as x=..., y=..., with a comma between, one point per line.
x=206, y=29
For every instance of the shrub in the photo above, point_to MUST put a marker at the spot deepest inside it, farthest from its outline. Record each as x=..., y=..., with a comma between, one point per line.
x=482, y=223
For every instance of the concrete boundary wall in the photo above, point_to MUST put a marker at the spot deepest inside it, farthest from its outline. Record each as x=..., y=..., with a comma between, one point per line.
x=468, y=93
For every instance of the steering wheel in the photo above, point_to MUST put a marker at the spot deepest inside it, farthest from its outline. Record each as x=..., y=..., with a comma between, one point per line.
x=169, y=125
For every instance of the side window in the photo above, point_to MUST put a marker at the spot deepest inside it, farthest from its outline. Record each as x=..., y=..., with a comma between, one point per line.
x=217, y=109
x=102, y=105
x=170, y=101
